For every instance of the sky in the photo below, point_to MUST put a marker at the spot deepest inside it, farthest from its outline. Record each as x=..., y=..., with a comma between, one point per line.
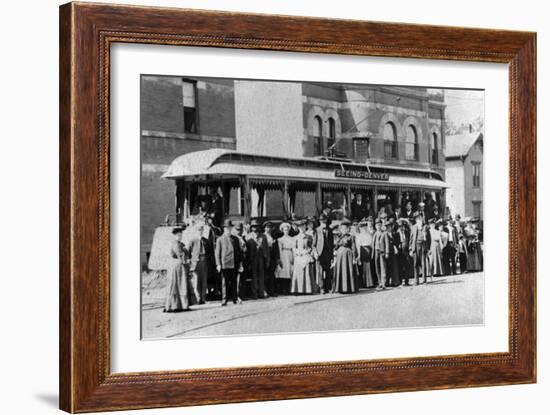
x=464, y=106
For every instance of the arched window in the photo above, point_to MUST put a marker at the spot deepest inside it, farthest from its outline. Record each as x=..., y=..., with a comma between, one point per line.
x=317, y=136
x=390, y=141
x=331, y=132
x=411, y=149
x=434, y=155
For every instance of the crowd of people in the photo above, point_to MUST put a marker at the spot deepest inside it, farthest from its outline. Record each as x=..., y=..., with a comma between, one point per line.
x=317, y=255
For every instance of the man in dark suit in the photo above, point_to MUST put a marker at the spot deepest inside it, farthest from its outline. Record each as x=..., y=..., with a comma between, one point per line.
x=359, y=208
x=449, y=251
x=215, y=210
x=324, y=248
x=228, y=262
x=408, y=213
x=202, y=255
x=273, y=253
x=401, y=240
x=418, y=248
x=241, y=276
x=257, y=258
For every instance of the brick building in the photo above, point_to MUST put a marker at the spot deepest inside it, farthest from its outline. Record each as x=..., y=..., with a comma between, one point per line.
x=397, y=127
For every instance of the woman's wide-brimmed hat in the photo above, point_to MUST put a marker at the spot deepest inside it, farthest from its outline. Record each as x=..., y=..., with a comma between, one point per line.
x=284, y=225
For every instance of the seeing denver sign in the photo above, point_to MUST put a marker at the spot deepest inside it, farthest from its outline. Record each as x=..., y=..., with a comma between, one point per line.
x=358, y=174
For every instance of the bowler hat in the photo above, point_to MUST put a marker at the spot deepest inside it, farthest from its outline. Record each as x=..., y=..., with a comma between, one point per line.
x=227, y=223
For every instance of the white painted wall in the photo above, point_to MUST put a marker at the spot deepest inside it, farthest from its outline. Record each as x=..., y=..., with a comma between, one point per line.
x=269, y=118
x=454, y=176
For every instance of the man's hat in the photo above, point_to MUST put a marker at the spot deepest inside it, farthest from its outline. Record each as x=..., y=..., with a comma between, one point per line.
x=177, y=230
x=227, y=223
x=346, y=222
x=311, y=219
x=422, y=204
x=300, y=222
x=255, y=223
x=363, y=223
x=402, y=221
x=239, y=226
x=323, y=218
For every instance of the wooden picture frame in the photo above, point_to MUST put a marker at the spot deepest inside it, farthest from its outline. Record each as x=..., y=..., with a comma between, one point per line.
x=86, y=33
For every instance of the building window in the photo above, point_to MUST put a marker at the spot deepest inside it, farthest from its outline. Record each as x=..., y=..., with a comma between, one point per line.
x=317, y=136
x=434, y=150
x=189, y=107
x=361, y=148
x=331, y=133
x=390, y=141
x=411, y=148
x=476, y=174
x=477, y=212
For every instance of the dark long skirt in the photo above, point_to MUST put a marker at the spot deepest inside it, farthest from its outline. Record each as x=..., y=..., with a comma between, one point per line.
x=368, y=280
x=344, y=278
x=394, y=277
x=475, y=258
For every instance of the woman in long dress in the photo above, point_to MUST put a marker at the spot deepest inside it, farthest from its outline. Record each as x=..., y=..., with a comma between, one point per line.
x=363, y=243
x=283, y=274
x=176, y=297
x=475, y=256
x=303, y=274
x=435, y=254
x=344, y=262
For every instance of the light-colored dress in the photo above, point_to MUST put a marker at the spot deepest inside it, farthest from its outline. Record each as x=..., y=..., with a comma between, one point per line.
x=303, y=275
x=363, y=241
x=286, y=256
x=176, y=296
x=344, y=268
x=436, y=262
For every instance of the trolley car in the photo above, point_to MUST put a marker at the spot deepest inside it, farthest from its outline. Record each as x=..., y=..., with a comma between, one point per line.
x=277, y=188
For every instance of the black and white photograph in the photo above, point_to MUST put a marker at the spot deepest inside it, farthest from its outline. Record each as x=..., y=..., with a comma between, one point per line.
x=273, y=207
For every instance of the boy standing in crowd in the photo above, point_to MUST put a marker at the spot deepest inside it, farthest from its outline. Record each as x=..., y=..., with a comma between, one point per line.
x=381, y=253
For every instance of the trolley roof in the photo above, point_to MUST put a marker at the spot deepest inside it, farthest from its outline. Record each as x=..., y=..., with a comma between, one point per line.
x=221, y=162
